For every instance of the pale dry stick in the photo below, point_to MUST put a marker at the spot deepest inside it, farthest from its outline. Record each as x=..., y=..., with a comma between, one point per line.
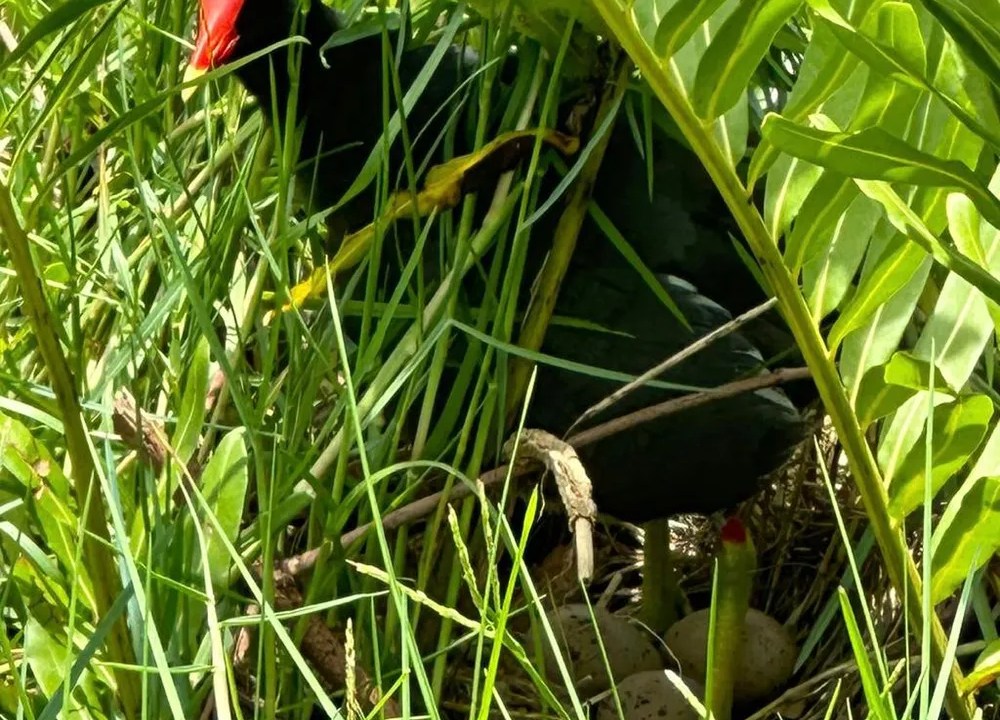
x=604, y=601
x=673, y=361
x=687, y=402
x=424, y=506
x=575, y=489
x=415, y=510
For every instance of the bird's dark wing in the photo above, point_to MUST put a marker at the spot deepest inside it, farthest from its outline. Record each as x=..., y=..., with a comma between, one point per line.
x=700, y=460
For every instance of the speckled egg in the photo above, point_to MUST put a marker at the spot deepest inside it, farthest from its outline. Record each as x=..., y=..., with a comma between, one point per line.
x=765, y=663
x=629, y=648
x=651, y=695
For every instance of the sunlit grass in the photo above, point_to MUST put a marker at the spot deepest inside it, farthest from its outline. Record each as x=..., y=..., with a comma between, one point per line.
x=163, y=232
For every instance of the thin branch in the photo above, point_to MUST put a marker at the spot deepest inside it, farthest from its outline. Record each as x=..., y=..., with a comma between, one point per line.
x=898, y=562
x=675, y=360
x=687, y=402
x=417, y=509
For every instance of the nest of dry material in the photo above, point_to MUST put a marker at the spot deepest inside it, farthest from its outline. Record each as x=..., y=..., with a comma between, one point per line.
x=801, y=560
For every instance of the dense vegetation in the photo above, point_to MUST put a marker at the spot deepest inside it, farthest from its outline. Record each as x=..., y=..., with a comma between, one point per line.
x=168, y=429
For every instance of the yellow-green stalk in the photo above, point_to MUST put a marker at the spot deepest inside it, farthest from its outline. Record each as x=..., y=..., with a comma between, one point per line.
x=735, y=566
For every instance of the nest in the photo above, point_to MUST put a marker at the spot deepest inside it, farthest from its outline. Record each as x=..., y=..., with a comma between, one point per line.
x=801, y=563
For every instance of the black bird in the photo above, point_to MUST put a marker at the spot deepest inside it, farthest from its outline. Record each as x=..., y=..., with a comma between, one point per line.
x=338, y=94
x=701, y=461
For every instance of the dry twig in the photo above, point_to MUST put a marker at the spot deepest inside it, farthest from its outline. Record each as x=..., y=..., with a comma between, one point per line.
x=674, y=360
x=419, y=508
x=574, y=485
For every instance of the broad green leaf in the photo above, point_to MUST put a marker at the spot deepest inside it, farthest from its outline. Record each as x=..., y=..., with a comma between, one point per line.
x=681, y=22
x=10, y=699
x=912, y=226
x=986, y=670
x=874, y=154
x=898, y=212
x=822, y=210
x=900, y=65
x=897, y=31
x=965, y=228
x=907, y=370
x=646, y=15
x=29, y=461
x=904, y=428
x=901, y=430
x=975, y=25
x=886, y=103
x=60, y=530
x=50, y=660
x=828, y=278
x=876, y=341
x=736, y=51
x=977, y=241
x=936, y=131
x=895, y=269
x=788, y=185
x=28, y=472
x=877, y=398
x=224, y=485
x=959, y=428
x=959, y=325
x=43, y=593
x=26, y=545
x=791, y=179
x=886, y=388
x=958, y=330
x=46, y=656
x=863, y=38
x=730, y=130
x=828, y=79
x=968, y=533
x=193, y=391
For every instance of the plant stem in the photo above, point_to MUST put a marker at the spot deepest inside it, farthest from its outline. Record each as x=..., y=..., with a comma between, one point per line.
x=660, y=590
x=96, y=553
x=898, y=563
x=735, y=567
x=563, y=244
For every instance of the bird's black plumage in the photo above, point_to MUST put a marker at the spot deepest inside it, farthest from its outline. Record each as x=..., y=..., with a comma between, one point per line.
x=339, y=96
x=698, y=461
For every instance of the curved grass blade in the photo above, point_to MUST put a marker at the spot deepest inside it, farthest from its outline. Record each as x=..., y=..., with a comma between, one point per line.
x=57, y=19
